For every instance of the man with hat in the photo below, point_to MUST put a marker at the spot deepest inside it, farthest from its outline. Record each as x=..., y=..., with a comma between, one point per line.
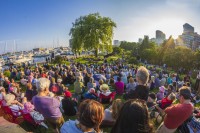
x=178, y=113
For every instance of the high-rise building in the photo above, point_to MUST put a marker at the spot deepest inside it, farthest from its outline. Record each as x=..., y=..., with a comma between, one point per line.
x=116, y=42
x=140, y=40
x=189, y=38
x=160, y=37
x=187, y=28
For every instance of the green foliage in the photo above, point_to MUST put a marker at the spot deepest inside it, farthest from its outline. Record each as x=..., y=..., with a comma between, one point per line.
x=132, y=60
x=92, y=32
x=7, y=73
x=145, y=44
x=66, y=62
x=129, y=46
x=197, y=59
x=112, y=58
x=58, y=60
x=117, y=50
x=179, y=57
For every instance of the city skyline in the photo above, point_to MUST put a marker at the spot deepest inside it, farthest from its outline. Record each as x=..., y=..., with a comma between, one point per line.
x=40, y=23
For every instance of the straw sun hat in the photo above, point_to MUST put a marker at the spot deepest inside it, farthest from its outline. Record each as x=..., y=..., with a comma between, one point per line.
x=104, y=87
x=9, y=98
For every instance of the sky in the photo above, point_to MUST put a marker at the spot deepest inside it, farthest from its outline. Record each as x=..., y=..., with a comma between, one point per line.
x=27, y=24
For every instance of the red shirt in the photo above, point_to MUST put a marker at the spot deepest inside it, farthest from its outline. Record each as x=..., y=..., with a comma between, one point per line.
x=177, y=114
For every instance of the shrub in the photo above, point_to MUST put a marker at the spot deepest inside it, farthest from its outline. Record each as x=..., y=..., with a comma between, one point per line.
x=7, y=73
x=58, y=60
x=132, y=60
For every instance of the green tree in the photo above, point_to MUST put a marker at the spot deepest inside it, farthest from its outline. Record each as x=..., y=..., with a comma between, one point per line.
x=180, y=57
x=145, y=44
x=167, y=45
x=197, y=59
x=92, y=32
x=117, y=50
x=58, y=60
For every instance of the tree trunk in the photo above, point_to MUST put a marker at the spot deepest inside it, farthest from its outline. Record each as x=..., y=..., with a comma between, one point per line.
x=96, y=52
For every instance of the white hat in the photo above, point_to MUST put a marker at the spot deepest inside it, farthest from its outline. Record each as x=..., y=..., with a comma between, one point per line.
x=9, y=98
x=91, y=90
x=59, y=80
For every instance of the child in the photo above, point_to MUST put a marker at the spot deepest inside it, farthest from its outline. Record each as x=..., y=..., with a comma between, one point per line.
x=169, y=90
x=68, y=105
x=91, y=84
x=151, y=100
x=90, y=94
x=37, y=117
x=160, y=94
x=104, y=88
x=105, y=95
x=167, y=101
x=112, y=112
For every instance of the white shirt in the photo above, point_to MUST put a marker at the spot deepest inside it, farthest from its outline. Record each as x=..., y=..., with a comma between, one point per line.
x=108, y=115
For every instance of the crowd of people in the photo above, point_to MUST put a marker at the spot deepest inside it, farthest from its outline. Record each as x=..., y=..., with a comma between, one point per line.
x=119, y=96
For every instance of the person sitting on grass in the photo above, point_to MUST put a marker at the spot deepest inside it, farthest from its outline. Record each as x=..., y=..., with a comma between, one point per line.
x=78, y=88
x=178, y=113
x=131, y=85
x=151, y=100
x=91, y=83
x=99, y=84
x=105, y=91
x=36, y=116
x=111, y=113
x=141, y=90
x=90, y=116
x=160, y=94
x=133, y=118
x=69, y=104
x=49, y=107
x=13, y=104
x=29, y=92
x=169, y=90
x=91, y=94
x=119, y=86
x=2, y=93
x=112, y=84
x=167, y=101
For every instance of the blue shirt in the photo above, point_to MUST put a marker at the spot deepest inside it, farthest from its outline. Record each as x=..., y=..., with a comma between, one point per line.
x=70, y=127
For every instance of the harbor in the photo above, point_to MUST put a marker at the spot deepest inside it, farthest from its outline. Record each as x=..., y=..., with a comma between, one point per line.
x=32, y=57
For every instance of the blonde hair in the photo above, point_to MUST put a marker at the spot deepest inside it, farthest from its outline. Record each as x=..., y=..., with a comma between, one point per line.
x=100, y=81
x=116, y=107
x=172, y=96
x=131, y=80
x=29, y=85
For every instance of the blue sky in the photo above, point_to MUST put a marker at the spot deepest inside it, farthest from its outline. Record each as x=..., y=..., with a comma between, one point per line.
x=42, y=23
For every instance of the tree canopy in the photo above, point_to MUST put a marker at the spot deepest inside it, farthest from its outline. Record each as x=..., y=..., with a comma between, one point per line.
x=92, y=32
x=165, y=53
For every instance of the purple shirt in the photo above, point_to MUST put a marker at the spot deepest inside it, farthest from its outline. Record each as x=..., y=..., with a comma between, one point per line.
x=119, y=87
x=47, y=106
x=160, y=95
